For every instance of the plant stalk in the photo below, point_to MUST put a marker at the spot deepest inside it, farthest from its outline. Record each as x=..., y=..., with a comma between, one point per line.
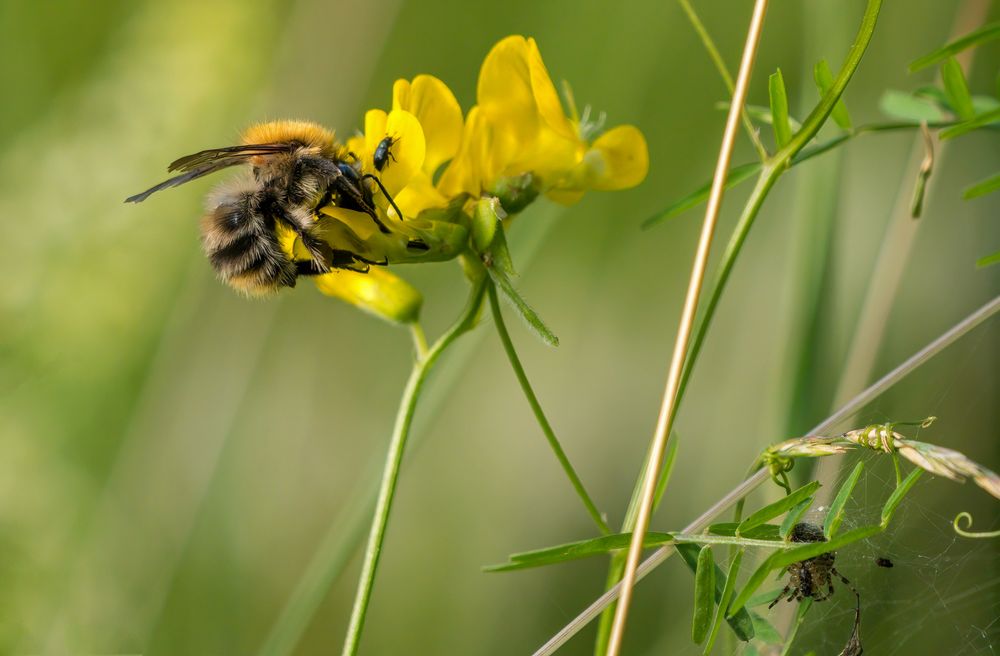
x=394, y=457
x=536, y=408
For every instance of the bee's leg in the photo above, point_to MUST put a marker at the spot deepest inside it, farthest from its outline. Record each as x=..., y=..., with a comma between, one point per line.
x=386, y=193
x=351, y=187
x=301, y=223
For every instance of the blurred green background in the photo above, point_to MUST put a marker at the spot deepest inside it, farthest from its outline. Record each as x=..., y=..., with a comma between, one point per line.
x=172, y=455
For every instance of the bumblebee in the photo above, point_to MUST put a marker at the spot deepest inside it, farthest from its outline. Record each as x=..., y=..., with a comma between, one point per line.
x=296, y=168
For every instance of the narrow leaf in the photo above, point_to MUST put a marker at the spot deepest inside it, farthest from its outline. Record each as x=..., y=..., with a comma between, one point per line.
x=762, y=114
x=737, y=174
x=836, y=512
x=780, y=506
x=521, y=306
x=974, y=123
x=704, y=595
x=907, y=107
x=782, y=559
x=957, y=89
x=575, y=551
x=987, y=186
x=978, y=37
x=989, y=260
x=779, y=109
x=793, y=517
x=740, y=622
x=763, y=532
x=824, y=80
x=727, y=595
x=800, y=616
x=897, y=495
x=765, y=631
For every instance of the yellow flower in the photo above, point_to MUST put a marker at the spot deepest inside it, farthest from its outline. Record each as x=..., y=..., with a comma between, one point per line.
x=519, y=127
x=378, y=292
x=425, y=128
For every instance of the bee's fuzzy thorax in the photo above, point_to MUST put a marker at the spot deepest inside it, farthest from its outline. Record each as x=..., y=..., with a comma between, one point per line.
x=308, y=133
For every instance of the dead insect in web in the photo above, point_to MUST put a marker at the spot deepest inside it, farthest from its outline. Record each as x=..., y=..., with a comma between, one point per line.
x=812, y=577
x=883, y=562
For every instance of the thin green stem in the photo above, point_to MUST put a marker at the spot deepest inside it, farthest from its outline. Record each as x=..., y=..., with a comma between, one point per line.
x=390, y=474
x=727, y=78
x=536, y=408
x=419, y=340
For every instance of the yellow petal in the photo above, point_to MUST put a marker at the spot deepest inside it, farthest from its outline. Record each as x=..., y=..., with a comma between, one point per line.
x=378, y=292
x=504, y=90
x=546, y=96
x=420, y=194
x=439, y=114
x=375, y=120
x=478, y=160
x=408, y=150
x=624, y=158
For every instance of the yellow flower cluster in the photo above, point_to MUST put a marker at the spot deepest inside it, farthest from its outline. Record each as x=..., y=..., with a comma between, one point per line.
x=517, y=142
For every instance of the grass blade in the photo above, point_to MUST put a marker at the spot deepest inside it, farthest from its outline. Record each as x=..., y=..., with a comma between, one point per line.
x=521, y=307
x=793, y=517
x=976, y=122
x=737, y=174
x=836, y=513
x=823, y=77
x=987, y=186
x=989, y=260
x=780, y=506
x=727, y=595
x=779, y=109
x=957, y=88
x=740, y=622
x=897, y=495
x=574, y=551
x=704, y=595
x=978, y=37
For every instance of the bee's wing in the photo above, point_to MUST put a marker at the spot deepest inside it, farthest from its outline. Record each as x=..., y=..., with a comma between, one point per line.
x=208, y=161
x=189, y=162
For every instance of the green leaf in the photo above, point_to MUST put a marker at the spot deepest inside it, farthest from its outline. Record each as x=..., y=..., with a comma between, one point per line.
x=957, y=89
x=793, y=517
x=987, y=186
x=704, y=595
x=575, y=550
x=521, y=306
x=737, y=174
x=897, y=495
x=762, y=114
x=781, y=559
x=727, y=595
x=779, y=109
x=982, y=35
x=973, y=123
x=836, y=512
x=765, y=631
x=907, y=107
x=989, y=260
x=762, y=598
x=740, y=622
x=823, y=77
x=780, y=506
x=763, y=532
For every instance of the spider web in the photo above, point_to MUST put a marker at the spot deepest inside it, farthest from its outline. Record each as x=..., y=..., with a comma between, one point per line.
x=942, y=595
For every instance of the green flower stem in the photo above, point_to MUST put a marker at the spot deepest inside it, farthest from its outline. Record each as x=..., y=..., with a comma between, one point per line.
x=390, y=474
x=771, y=170
x=419, y=340
x=536, y=408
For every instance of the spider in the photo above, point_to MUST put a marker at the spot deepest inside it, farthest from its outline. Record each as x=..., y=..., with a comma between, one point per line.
x=809, y=578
